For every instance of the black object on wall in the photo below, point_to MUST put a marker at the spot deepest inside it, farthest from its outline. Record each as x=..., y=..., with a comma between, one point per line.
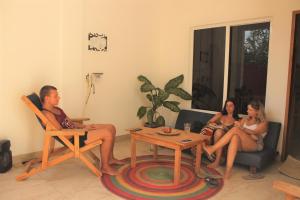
x=5, y=156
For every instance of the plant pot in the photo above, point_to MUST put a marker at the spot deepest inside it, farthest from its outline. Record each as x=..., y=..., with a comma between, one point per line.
x=152, y=125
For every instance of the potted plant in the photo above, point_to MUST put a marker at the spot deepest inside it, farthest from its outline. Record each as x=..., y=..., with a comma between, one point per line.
x=159, y=97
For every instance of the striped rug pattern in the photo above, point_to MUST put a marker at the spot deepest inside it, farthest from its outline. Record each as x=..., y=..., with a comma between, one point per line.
x=153, y=179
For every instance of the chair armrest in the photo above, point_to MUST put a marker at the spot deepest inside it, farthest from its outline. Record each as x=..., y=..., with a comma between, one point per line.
x=67, y=132
x=289, y=189
x=80, y=120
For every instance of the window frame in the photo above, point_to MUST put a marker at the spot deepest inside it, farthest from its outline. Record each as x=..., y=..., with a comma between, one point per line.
x=227, y=26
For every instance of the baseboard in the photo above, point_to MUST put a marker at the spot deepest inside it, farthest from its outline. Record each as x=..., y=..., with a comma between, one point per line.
x=19, y=159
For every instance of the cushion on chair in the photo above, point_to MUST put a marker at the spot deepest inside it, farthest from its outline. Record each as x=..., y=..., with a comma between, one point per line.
x=35, y=99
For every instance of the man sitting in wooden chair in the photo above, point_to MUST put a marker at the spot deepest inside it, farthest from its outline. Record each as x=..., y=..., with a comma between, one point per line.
x=76, y=137
x=105, y=132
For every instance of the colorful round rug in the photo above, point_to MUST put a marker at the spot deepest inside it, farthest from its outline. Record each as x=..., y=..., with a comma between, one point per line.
x=153, y=179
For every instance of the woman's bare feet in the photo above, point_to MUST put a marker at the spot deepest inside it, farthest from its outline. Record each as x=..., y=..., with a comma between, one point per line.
x=209, y=152
x=116, y=162
x=213, y=165
x=110, y=171
x=208, y=149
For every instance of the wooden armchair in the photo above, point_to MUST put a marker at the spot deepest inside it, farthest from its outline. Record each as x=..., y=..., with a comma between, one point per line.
x=291, y=191
x=51, y=156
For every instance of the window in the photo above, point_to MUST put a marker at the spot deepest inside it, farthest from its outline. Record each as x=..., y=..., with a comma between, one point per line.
x=246, y=74
x=208, y=70
x=249, y=48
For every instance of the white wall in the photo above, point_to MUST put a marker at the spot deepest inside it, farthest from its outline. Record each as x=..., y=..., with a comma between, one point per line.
x=2, y=88
x=131, y=30
x=30, y=59
x=71, y=56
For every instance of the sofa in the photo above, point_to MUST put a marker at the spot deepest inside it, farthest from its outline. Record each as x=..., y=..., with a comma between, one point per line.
x=255, y=160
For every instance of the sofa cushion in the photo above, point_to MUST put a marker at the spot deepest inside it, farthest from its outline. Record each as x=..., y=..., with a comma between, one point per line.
x=197, y=119
x=197, y=126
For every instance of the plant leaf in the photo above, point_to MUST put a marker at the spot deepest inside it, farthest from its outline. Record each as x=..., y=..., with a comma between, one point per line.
x=150, y=115
x=144, y=79
x=141, y=112
x=162, y=95
x=172, y=105
x=156, y=101
x=180, y=93
x=160, y=120
x=147, y=87
x=149, y=97
x=174, y=83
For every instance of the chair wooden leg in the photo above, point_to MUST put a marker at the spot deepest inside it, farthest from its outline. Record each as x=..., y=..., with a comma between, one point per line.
x=46, y=151
x=289, y=197
x=25, y=175
x=40, y=168
x=30, y=163
x=95, y=159
x=52, y=145
x=291, y=191
x=30, y=170
x=60, y=159
x=76, y=146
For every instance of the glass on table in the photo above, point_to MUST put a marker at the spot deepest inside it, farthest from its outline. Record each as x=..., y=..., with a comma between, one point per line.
x=187, y=127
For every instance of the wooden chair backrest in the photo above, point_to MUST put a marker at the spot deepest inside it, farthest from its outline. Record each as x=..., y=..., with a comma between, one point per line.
x=45, y=122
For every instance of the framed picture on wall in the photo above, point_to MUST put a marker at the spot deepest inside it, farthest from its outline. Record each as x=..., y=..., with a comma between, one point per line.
x=97, y=42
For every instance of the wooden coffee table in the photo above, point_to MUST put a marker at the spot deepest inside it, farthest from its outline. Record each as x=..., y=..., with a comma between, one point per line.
x=151, y=136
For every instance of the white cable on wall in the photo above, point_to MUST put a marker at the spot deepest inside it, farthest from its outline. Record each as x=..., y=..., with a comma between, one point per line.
x=90, y=80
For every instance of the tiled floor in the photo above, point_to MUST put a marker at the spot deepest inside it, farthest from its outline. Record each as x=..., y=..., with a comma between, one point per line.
x=72, y=180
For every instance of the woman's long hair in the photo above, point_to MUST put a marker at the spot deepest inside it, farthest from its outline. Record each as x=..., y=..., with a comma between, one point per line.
x=259, y=107
x=235, y=111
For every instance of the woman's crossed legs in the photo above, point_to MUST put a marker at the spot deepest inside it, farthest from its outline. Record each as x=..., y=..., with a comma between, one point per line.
x=237, y=140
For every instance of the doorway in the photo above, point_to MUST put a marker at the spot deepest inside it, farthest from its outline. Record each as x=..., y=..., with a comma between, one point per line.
x=291, y=145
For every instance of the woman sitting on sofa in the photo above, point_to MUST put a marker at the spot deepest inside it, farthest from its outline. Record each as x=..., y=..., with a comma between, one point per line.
x=246, y=135
x=224, y=121
x=106, y=132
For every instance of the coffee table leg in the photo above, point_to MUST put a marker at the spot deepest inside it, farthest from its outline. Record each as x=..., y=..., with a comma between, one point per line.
x=133, y=152
x=155, y=151
x=177, y=166
x=198, y=158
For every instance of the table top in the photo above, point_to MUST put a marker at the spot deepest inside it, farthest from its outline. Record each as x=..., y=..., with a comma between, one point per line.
x=151, y=135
